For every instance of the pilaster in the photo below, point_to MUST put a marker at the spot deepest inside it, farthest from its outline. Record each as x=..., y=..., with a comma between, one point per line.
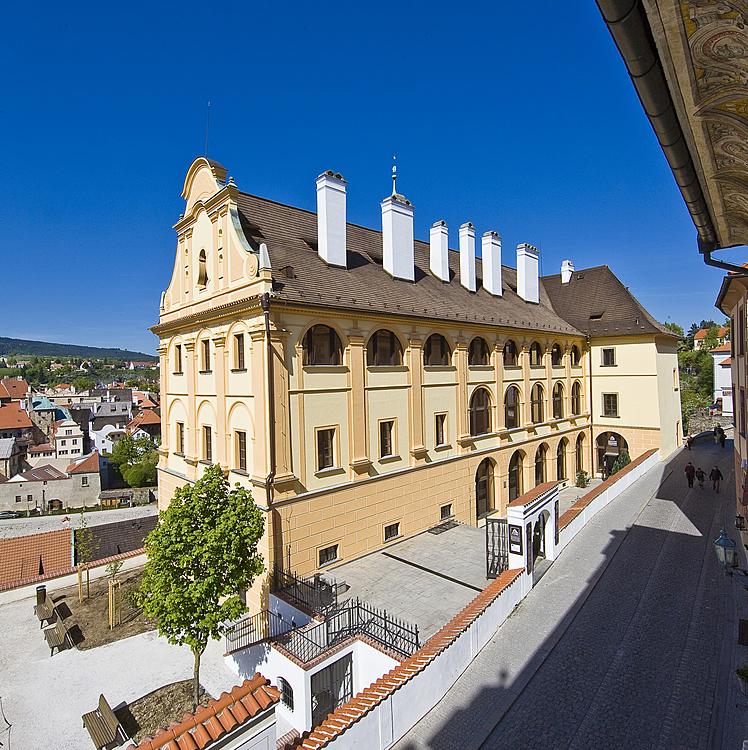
x=360, y=462
x=191, y=429
x=415, y=399
x=222, y=456
x=463, y=423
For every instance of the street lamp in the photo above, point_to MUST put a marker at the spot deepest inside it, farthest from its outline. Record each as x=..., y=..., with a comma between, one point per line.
x=725, y=549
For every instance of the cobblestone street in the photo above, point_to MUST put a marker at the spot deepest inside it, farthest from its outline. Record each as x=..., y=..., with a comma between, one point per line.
x=627, y=642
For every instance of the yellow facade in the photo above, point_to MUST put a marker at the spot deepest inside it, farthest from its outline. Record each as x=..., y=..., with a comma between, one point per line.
x=212, y=309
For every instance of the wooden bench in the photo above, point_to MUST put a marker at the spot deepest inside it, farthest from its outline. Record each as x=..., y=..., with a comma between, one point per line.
x=44, y=610
x=102, y=724
x=56, y=636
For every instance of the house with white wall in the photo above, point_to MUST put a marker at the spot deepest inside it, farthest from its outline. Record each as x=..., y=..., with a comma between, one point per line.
x=722, y=363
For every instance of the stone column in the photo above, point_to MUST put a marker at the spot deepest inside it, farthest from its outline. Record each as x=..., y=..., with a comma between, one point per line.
x=415, y=400
x=223, y=456
x=463, y=423
x=498, y=370
x=190, y=449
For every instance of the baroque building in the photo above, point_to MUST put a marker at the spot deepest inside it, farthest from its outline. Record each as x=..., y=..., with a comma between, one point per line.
x=367, y=386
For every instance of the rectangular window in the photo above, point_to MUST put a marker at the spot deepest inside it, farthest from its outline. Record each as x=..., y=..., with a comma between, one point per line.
x=18, y=498
x=741, y=331
x=325, y=448
x=29, y=498
x=68, y=432
x=391, y=531
x=742, y=412
x=610, y=404
x=386, y=446
x=206, y=356
x=178, y=359
x=63, y=442
x=440, y=429
x=609, y=358
x=445, y=512
x=241, y=450
x=207, y=443
x=239, y=352
x=328, y=555
x=84, y=481
x=180, y=437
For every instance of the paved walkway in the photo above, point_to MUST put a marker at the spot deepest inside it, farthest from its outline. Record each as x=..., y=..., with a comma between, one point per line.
x=626, y=642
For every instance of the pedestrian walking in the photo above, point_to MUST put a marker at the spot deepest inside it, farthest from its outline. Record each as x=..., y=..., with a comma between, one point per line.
x=700, y=476
x=716, y=477
x=689, y=440
x=722, y=438
x=716, y=434
x=690, y=472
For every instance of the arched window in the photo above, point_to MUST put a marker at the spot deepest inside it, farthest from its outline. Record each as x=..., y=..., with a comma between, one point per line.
x=510, y=354
x=437, y=351
x=556, y=356
x=384, y=349
x=202, y=269
x=536, y=403
x=484, y=488
x=575, y=356
x=511, y=407
x=558, y=401
x=576, y=398
x=515, y=476
x=536, y=355
x=480, y=412
x=322, y=346
x=286, y=692
x=579, y=457
x=540, y=457
x=561, y=459
x=478, y=353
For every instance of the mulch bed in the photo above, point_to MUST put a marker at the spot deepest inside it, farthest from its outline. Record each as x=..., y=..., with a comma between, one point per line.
x=88, y=621
x=159, y=709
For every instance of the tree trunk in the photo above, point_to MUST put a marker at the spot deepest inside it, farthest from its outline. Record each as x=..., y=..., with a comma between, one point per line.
x=196, y=680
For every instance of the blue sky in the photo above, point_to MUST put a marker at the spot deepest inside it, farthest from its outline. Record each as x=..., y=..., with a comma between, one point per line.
x=518, y=120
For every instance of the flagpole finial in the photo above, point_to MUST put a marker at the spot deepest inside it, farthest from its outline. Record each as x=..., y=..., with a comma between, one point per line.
x=394, y=174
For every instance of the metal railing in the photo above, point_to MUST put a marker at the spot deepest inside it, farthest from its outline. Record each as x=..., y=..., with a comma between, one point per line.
x=350, y=619
x=263, y=626
x=315, y=593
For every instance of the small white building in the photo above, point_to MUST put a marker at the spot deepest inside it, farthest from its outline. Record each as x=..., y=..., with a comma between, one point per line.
x=722, y=362
x=68, y=439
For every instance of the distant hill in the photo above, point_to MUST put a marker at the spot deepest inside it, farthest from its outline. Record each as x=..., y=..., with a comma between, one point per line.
x=21, y=347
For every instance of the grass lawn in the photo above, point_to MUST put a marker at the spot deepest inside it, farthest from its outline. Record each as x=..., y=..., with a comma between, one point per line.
x=88, y=621
x=159, y=709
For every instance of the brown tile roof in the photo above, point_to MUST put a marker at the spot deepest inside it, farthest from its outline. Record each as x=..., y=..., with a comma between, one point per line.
x=37, y=554
x=43, y=448
x=209, y=723
x=722, y=348
x=86, y=465
x=4, y=395
x=13, y=417
x=532, y=494
x=702, y=333
x=44, y=473
x=15, y=388
x=349, y=713
x=726, y=362
x=598, y=304
x=291, y=236
x=145, y=416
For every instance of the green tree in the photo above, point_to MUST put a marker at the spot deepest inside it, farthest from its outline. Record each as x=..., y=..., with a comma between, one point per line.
x=200, y=556
x=136, y=460
x=86, y=546
x=622, y=460
x=83, y=383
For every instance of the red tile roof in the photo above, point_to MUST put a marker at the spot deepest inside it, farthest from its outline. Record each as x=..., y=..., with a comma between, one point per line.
x=37, y=554
x=209, y=723
x=15, y=388
x=726, y=362
x=702, y=333
x=532, y=494
x=349, y=713
x=87, y=465
x=13, y=417
x=143, y=417
x=721, y=348
x=43, y=448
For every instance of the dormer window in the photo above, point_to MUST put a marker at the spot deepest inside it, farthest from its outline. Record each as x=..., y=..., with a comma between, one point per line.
x=202, y=270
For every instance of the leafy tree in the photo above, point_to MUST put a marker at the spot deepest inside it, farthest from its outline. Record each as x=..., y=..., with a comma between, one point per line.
x=622, y=460
x=86, y=546
x=675, y=328
x=200, y=556
x=136, y=460
x=83, y=383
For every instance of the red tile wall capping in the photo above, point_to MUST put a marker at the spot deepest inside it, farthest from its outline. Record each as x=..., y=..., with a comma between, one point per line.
x=222, y=715
x=63, y=572
x=28, y=557
x=349, y=713
x=532, y=494
x=586, y=499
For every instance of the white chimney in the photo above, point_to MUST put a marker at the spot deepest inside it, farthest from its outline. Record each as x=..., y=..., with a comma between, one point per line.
x=331, y=218
x=397, y=237
x=467, y=256
x=567, y=271
x=439, y=250
x=491, y=260
x=528, y=284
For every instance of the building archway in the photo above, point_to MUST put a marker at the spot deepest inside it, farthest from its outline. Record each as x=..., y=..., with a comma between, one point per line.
x=485, y=489
x=538, y=537
x=515, y=475
x=579, y=453
x=610, y=445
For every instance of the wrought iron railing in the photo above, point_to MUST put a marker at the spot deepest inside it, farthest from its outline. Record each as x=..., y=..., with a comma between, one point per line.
x=315, y=593
x=263, y=626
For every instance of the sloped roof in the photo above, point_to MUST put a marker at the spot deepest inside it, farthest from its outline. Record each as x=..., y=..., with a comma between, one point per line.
x=726, y=362
x=143, y=417
x=43, y=448
x=722, y=349
x=6, y=447
x=36, y=554
x=15, y=387
x=291, y=236
x=209, y=723
x=44, y=473
x=703, y=332
x=13, y=417
x=86, y=465
x=598, y=304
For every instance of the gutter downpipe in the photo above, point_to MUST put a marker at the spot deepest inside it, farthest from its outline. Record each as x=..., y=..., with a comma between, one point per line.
x=592, y=433
x=265, y=303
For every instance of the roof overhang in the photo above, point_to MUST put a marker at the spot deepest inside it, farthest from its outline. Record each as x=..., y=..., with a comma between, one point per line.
x=688, y=61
